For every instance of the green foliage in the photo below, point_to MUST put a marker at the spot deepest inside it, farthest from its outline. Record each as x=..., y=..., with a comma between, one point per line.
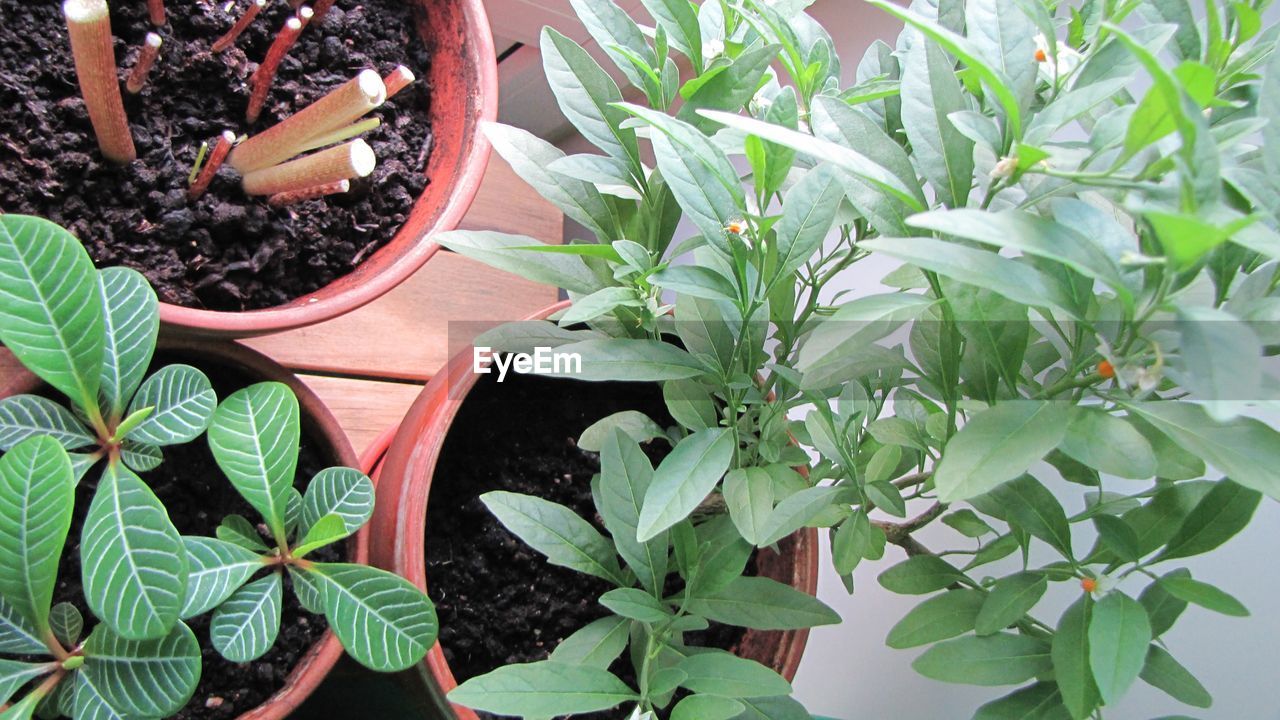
x=1069, y=367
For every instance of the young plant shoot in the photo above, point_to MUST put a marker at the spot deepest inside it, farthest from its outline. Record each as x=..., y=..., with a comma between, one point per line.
x=89, y=27
x=146, y=60
x=209, y=170
x=384, y=621
x=1067, y=371
x=241, y=24
x=262, y=79
x=49, y=666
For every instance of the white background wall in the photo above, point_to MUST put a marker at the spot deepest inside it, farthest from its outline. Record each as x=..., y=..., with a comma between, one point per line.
x=847, y=672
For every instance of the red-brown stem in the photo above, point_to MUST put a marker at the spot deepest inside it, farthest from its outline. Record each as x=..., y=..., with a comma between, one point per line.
x=322, y=8
x=240, y=26
x=216, y=157
x=342, y=162
x=156, y=8
x=142, y=68
x=265, y=75
x=89, y=26
x=397, y=80
x=311, y=193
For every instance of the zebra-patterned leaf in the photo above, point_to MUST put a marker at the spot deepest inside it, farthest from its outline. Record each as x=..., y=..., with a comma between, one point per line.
x=142, y=678
x=245, y=626
x=138, y=578
x=239, y=531
x=326, y=531
x=141, y=457
x=131, y=322
x=308, y=590
x=25, y=416
x=52, y=317
x=293, y=511
x=87, y=702
x=15, y=674
x=67, y=623
x=254, y=438
x=339, y=491
x=183, y=399
x=36, y=495
x=81, y=463
x=215, y=570
x=384, y=621
x=23, y=709
x=17, y=635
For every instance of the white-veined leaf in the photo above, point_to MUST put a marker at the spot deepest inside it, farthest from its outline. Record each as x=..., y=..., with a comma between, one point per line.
x=25, y=416
x=340, y=491
x=183, y=400
x=215, y=570
x=143, y=678
x=36, y=496
x=141, y=457
x=255, y=436
x=244, y=627
x=17, y=635
x=384, y=621
x=131, y=322
x=52, y=317
x=138, y=576
x=14, y=674
x=67, y=623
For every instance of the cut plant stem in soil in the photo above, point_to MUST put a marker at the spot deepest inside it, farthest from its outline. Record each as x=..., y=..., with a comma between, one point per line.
x=89, y=31
x=225, y=251
x=142, y=66
x=499, y=601
x=198, y=497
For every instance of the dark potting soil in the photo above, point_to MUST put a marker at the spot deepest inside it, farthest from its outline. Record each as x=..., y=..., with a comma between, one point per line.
x=198, y=497
x=500, y=602
x=225, y=251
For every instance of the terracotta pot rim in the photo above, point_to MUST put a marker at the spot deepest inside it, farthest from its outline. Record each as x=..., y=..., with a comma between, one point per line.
x=313, y=666
x=382, y=276
x=416, y=446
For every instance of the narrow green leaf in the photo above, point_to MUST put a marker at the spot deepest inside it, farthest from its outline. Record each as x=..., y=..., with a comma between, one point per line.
x=684, y=479
x=748, y=493
x=216, y=570
x=797, y=511
x=1006, y=38
x=1163, y=672
x=808, y=212
x=939, y=618
x=384, y=621
x=131, y=323
x=1218, y=517
x=587, y=96
x=244, y=627
x=1163, y=609
x=678, y=19
x=142, y=678
x=998, y=445
x=628, y=359
x=706, y=707
x=726, y=675
x=1001, y=659
x=1108, y=444
x=1070, y=655
x=625, y=477
x=138, y=579
x=635, y=604
x=557, y=532
x=26, y=416
x=37, y=493
x=597, y=644
x=614, y=31
x=1119, y=632
x=183, y=402
x=53, y=319
x=762, y=604
x=920, y=575
x=931, y=92
x=1029, y=505
x=1203, y=594
x=1010, y=600
x=543, y=689
x=254, y=438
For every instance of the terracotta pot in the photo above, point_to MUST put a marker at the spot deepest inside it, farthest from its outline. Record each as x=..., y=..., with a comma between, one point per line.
x=399, y=525
x=464, y=93
x=318, y=423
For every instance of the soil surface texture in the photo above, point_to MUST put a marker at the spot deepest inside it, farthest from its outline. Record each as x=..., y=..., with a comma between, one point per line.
x=499, y=601
x=225, y=251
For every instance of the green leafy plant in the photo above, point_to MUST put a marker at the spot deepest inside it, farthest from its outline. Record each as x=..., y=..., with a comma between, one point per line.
x=384, y=621
x=91, y=335
x=66, y=672
x=1079, y=203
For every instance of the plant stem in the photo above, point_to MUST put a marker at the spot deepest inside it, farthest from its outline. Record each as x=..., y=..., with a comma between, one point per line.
x=146, y=60
x=262, y=79
x=322, y=8
x=89, y=26
x=239, y=27
x=210, y=169
x=397, y=80
x=311, y=193
x=156, y=9
x=343, y=162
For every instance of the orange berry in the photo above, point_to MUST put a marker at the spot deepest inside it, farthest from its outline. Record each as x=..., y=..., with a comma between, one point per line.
x=1040, y=56
x=1106, y=369
x=1089, y=584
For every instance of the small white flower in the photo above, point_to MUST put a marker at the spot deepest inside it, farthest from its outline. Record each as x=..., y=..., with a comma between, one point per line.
x=712, y=49
x=1067, y=59
x=1005, y=167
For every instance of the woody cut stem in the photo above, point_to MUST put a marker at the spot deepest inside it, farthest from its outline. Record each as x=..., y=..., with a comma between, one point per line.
x=322, y=8
x=343, y=162
x=397, y=80
x=311, y=193
x=146, y=60
x=265, y=75
x=296, y=134
x=89, y=26
x=246, y=19
x=210, y=169
x=156, y=9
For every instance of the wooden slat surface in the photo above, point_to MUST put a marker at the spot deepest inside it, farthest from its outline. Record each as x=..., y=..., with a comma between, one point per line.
x=406, y=335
